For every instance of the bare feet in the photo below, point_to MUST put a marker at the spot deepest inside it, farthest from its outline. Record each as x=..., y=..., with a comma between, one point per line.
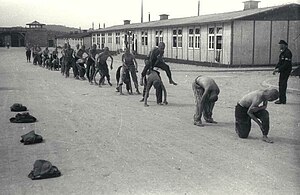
x=199, y=124
x=211, y=121
x=266, y=139
x=146, y=105
x=172, y=82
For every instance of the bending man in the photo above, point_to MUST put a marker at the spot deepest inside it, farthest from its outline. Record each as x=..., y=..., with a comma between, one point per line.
x=249, y=108
x=206, y=92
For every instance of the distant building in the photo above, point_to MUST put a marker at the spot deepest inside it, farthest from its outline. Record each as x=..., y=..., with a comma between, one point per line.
x=74, y=38
x=34, y=34
x=35, y=24
x=246, y=37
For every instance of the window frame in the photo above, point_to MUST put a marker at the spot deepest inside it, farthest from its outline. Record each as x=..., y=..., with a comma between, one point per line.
x=211, y=38
x=191, y=38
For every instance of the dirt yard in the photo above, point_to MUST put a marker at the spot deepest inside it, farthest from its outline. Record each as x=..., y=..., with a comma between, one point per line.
x=104, y=143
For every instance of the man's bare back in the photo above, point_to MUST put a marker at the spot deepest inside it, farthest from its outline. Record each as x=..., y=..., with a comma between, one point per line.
x=252, y=102
x=207, y=83
x=253, y=98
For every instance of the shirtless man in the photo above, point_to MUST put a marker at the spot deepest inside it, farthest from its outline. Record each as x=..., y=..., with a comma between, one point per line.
x=68, y=59
x=45, y=53
x=249, y=108
x=130, y=63
x=81, y=56
x=206, y=92
x=28, y=52
x=102, y=66
x=37, y=52
x=153, y=78
x=63, y=54
x=74, y=65
x=155, y=59
x=90, y=64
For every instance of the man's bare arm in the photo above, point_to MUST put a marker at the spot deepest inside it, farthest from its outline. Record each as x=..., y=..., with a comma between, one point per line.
x=253, y=108
x=136, y=64
x=112, y=60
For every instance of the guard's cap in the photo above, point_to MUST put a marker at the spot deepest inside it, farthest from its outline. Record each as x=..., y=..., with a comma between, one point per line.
x=282, y=42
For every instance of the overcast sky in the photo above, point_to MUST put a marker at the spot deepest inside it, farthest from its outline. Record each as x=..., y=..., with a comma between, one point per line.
x=82, y=13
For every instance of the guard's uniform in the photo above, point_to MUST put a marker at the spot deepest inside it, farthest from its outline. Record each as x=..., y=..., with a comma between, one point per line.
x=285, y=67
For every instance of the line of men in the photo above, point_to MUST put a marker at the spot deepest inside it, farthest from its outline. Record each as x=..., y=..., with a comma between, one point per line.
x=205, y=89
x=96, y=62
x=90, y=62
x=43, y=58
x=251, y=106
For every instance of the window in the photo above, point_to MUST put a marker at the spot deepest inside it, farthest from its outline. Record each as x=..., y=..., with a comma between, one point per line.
x=197, y=38
x=161, y=38
x=179, y=37
x=102, y=38
x=158, y=37
x=219, y=38
x=215, y=38
x=174, y=38
x=144, y=38
x=118, y=38
x=109, y=38
x=98, y=38
x=219, y=42
x=211, y=38
x=191, y=38
x=94, y=39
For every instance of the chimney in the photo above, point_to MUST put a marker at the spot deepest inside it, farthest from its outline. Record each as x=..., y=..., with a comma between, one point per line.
x=99, y=26
x=149, y=17
x=250, y=4
x=126, y=22
x=164, y=16
x=103, y=25
x=142, y=12
x=93, y=26
x=199, y=8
